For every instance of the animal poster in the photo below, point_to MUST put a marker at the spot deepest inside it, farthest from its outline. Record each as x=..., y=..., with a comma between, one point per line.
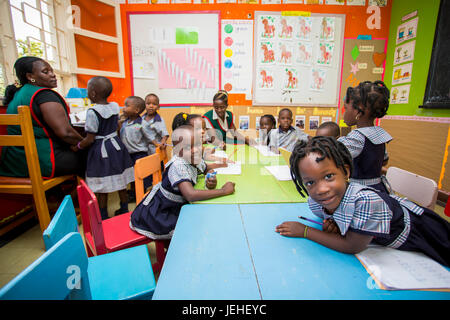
x=285, y=52
x=304, y=28
x=327, y=29
x=304, y=55
x=325, y=53
x=291, y=81
x=265, y=78
x=266, y=52
x=267, y=27
x=317, y=79
x=404, y=52
x=285, y=28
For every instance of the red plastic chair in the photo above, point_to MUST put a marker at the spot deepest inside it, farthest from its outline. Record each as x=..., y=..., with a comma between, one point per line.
x=113, y=234
x=447, y=208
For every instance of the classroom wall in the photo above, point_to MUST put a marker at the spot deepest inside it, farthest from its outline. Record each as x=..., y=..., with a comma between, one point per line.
x=421, y=136
x=355, y=24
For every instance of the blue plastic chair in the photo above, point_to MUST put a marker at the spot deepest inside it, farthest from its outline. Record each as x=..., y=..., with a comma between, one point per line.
x=64, y=221
x=65, y=272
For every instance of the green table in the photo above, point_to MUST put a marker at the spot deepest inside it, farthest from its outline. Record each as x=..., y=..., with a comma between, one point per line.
x=255, y=184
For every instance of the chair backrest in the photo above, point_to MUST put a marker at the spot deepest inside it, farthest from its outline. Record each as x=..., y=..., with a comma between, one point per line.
x=27, y=141
x=142, y=169
x=165, y=155
x=60, y=273
x=286, y=155
x=91, y=218
x=416, y=188
x=64, y=221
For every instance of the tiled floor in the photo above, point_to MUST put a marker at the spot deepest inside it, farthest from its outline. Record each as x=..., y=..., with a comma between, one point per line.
x=22, y=251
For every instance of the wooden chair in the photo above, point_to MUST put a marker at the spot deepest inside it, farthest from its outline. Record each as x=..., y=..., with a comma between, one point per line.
x=34, y=185
x=65, y=272
x=113, y=234
x=144, y=167
x=416, y=188
x=165, y=155
x=63, y=222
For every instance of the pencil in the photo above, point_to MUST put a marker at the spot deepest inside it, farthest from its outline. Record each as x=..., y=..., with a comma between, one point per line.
x=310, y=220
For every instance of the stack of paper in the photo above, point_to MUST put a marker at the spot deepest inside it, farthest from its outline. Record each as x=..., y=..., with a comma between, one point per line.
x=265, y=151
x=232, y=168
x=399, y=270
x=220, y=154
x=282, y=173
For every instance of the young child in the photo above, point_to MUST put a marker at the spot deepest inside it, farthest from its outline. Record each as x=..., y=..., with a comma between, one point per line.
x=367, y=144
x=135, y=135
x=109, y=166
x=156, y=123
x=156, y=215
x=266, y=123
x=355, y=215
x=329, y=129
x=286, y=136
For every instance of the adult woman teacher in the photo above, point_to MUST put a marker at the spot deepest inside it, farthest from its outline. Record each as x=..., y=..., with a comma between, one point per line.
x=53, y=132
x=220, y=119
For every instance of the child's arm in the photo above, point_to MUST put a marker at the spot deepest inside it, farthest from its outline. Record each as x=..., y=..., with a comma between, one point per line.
x=162, y=144
x=85, y=143
x=351, y=243
x=191, y=194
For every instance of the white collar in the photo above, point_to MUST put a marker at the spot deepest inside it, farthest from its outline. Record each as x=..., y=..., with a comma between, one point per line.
x=216, y=117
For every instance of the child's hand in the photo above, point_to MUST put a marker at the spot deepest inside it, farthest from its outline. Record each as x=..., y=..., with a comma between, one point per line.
x=211, y=182
x=228, y=187
x=74, y=148
x=291, y=229
x=330, y=226
x=162, y=146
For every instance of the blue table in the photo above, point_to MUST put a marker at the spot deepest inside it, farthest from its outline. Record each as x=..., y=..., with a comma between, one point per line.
x=233, y=252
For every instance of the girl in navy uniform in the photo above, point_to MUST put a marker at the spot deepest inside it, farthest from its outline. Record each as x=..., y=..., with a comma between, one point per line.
x=355, y=215
x=109, y=165
x=367, y=144
x=157, y=214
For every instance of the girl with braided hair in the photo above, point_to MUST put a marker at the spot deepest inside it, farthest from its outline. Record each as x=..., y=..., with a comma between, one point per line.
x=355, y=215
x=367, y=144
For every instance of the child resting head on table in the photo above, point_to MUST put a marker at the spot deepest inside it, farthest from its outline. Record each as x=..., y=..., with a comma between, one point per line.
x=157, y=214
x=355, y=215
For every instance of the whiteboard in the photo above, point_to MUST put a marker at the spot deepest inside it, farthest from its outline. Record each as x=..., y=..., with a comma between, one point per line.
x=175, y=55
x=298, y=59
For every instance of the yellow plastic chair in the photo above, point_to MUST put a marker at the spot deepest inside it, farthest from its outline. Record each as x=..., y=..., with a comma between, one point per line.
x=34, y=185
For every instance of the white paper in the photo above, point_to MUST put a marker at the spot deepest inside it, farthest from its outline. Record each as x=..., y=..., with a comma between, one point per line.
x=397, y=269
x=265, y=151
x=233, y=168
x=220, y=154
x=282, y=173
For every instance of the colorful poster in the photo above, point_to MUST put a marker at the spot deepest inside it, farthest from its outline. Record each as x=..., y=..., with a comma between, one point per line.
x=400, y=94
x=292, y=1
x=267, y=26
x=244, y=122
x=405, y=52
x=327, y=29
x=266, y=52
x=304, y=55
x=313, y=122
x=291, y=81
x=239, y=52
x=285, y=28
x=317, y=81
x=304, y=28
x=300, y=122
x=285, y=50
x=356, y=2
x=325, y=53
x=313, y=1
x=407, y=30
x=264, y=78
x=335, y=2
x=379, y=3
x=270, y=1
x=402, y=73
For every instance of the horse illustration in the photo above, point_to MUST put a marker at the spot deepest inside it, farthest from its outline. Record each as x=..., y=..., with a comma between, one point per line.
x=304, y=29
x=326, y=56
x=269, y=55
x=305, y=55
x=286, y=30
x=285, y=55
x=267, y=80
x=292, y=81
x=326, y=30
x=318, y=80
x=269, y=30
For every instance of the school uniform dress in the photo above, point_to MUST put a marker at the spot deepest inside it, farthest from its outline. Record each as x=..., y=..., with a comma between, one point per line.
x=136, y=136
x=368, y=149
x=393, y=221
x=157, y=214
x=109, y=165
x=286, y=139
x=264, y=137
x=156, y=128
